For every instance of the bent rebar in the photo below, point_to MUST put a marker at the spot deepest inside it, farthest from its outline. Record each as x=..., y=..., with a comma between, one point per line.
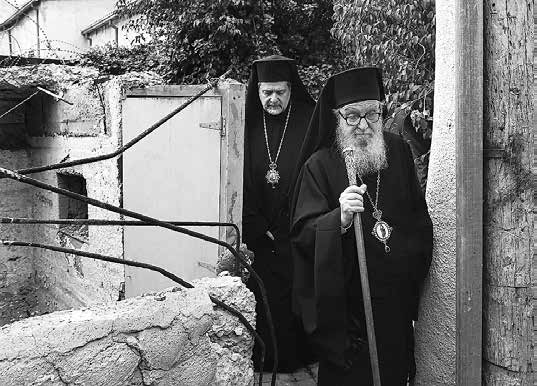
x=101, y=222
x=237, y=254
x=169, y=275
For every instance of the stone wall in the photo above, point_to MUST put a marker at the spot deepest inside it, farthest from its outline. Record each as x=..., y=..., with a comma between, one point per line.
x=176, y=337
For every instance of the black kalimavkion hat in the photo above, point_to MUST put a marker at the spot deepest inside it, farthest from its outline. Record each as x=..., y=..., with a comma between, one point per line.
x=275, y=70
x=357, y=84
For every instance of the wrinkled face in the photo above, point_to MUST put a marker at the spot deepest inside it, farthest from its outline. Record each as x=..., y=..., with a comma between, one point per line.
x=274, y=96
x=360, y=128
x=360, y=121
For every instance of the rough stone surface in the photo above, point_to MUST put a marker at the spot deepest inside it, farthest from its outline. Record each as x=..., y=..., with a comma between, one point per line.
x=60, y=77
x=16, y=265
x=231, y=340
x=176, y=337
x=435, y=329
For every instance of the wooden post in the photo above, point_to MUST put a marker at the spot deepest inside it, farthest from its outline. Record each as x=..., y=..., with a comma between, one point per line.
x=469, y=164
x=508, y=141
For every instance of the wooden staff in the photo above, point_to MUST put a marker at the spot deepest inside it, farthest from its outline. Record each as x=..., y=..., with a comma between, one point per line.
x=366, y=295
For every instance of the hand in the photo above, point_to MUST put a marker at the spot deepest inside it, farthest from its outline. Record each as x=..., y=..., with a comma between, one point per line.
x=351, y=201
x=270, y=235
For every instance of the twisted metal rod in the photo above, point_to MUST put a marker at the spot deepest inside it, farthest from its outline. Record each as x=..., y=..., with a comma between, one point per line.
x=102, y=222
x=237, y=254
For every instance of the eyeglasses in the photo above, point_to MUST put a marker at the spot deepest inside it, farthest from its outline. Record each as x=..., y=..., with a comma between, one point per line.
x=355, y=119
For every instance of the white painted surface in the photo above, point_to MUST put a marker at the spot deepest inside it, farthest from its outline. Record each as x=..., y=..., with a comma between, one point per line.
x=435, y=329
x=107, y=34
x=60, y=25
x=173, y=174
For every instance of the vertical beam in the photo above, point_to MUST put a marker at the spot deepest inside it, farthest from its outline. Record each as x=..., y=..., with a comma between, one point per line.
x=10, y=39
x=469, y=164
x=231, y=150
x=508, y=314
x=38, y=53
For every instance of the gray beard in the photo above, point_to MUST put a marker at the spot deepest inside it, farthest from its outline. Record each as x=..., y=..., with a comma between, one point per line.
x=369, y=153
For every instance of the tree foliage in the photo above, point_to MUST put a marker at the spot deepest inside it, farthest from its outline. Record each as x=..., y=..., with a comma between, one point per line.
x=396, y=35
x=195, y=39
x=114, y=60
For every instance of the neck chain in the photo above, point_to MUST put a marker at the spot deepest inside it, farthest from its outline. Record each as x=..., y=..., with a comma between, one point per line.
x=381, y=230
x=273, y=176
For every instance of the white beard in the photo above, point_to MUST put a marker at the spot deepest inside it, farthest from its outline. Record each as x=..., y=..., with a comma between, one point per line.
x=369, y=152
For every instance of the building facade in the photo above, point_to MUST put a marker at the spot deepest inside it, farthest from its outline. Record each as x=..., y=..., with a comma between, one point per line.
x=61, y=29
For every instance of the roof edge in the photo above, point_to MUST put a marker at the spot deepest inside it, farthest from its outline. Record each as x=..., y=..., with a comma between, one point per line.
x=18, y=14
x=99, y=23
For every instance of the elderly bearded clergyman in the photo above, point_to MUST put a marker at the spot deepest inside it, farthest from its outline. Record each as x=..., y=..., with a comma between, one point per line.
x=397, y=235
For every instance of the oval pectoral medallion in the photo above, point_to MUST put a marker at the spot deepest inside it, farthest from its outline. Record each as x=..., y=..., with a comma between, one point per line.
x=382, y=231
x=272, y=176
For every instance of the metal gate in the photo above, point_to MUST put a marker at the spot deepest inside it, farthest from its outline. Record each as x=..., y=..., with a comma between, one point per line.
x=190, y=169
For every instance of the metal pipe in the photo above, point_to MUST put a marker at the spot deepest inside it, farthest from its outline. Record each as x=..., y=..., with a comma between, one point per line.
x=237, y=254
x=129, y=144
x=151, y=267
x=102, y=222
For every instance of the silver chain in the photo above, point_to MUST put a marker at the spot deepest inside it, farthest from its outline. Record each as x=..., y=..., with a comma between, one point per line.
x=283, y=135
x=377, y=193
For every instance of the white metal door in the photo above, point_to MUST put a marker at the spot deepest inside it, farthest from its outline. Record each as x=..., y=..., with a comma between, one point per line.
x=173, y=174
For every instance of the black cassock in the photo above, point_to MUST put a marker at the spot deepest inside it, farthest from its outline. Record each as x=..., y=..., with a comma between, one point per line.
x=327, y=289
x=267, y=209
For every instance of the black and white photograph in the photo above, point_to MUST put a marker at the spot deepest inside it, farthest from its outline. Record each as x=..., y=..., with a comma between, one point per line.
x=268, y=192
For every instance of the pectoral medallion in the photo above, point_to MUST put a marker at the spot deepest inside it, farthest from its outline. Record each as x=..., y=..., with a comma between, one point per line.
x=381, y=230
x=272, y=176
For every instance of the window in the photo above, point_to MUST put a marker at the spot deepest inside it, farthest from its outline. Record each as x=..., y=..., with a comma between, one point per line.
x=70, y=208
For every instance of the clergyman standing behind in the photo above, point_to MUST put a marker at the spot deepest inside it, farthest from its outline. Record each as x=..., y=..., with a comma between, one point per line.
x=278, y=109
x=397, y=234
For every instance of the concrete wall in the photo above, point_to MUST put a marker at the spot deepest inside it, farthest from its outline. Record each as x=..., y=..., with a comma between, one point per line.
x=67, y=132
x=17, y=276
x=171, y=338
x=60, y=23
x=17, y=279
x=435, y=330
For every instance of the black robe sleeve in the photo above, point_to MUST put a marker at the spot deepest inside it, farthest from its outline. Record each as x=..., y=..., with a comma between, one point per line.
x=317, y=250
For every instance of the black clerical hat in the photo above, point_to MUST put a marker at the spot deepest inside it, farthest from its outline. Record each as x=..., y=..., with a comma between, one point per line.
x=357, y=84
x=273, y=69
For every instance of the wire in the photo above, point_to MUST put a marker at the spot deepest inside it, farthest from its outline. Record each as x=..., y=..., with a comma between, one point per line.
x=18, y=104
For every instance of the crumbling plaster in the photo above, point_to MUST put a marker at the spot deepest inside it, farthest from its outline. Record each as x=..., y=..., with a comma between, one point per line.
x=175, y=337
x=17, y=277
x=435, y=329
x=90, y=126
